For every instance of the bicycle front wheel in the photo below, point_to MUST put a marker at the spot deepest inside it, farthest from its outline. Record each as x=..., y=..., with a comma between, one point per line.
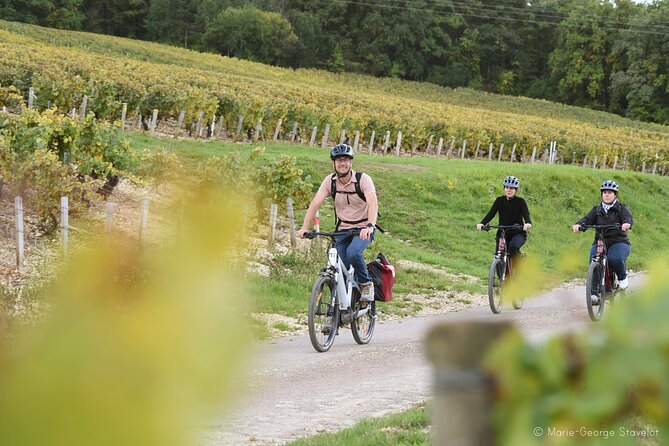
x=362, y=327
x=323, y=317
x=595, y=287
x=495, y=282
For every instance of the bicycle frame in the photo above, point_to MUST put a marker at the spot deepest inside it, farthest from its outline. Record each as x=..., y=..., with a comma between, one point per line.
x=501, y=254
x=344, y=278
x=601, y=281
x=500, y=269
x=601, y=257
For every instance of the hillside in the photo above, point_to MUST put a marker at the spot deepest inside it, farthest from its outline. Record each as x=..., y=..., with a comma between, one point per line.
x=430, y=207
x=64, y=66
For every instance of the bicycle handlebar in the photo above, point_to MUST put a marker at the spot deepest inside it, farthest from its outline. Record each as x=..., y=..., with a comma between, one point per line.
x=314, y=234
x=613, y=226
x=489, y=227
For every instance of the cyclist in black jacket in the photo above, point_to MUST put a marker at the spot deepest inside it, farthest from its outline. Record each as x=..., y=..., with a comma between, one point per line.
x=611, y=211
x=512, y=210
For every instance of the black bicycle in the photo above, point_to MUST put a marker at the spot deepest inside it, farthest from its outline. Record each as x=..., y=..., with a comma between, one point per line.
x=335, y=301
x=501, y=268
x=601, y=281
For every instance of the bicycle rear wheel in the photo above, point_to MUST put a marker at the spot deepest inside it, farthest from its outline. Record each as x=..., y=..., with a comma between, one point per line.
x=362, y=327
x=595, y=286
x=323, y=318
x=495, y=281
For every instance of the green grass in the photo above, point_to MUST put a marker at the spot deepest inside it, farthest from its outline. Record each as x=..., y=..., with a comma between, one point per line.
x=410, y=427
x=430, y=207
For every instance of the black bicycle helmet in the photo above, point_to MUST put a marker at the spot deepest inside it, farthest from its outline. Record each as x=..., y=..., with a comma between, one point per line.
x=341, y=150
x=511, y=182
x=609, y=185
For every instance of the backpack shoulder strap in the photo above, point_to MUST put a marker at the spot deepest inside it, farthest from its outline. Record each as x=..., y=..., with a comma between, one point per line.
x=333, y=185
x=358, y=189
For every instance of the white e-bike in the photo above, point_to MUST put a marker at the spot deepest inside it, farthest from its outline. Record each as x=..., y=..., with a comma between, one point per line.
x=335, y=301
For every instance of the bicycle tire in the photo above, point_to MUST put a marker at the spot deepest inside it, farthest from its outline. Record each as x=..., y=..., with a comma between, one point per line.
x=323, y=318
x=362, y=327
x=594, y=282
x=495, y=283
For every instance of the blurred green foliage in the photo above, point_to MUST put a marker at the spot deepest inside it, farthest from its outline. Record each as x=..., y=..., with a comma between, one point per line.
x=603, y=385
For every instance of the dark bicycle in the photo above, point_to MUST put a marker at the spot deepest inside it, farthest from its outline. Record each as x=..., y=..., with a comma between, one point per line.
x=601, y=281
x=501, y=268
x=335, y=301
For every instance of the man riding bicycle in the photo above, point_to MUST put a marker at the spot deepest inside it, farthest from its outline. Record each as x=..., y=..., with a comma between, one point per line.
x=512, y=210
x=611, y=211
x=356, y=206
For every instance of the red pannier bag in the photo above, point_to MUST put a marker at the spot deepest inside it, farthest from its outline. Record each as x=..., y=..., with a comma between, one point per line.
x=383, y=276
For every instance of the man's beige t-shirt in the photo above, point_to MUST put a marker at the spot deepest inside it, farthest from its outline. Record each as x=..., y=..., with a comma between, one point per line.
x=349, y=207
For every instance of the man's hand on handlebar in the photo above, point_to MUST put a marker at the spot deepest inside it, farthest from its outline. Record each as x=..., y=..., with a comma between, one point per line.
x=302, y=231
x=480, y=226
x=366, y=233
x=576, y=228
x=625, y=227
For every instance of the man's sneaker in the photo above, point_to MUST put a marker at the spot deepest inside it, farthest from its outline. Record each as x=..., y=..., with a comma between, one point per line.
x=367, y=292
x=623, y=284
x=594, y=299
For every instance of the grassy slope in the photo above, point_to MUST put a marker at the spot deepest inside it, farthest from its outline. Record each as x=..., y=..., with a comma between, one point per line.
x=430, y=206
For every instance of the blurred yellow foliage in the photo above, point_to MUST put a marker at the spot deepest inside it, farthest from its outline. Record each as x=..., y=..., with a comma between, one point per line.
x=138, y=346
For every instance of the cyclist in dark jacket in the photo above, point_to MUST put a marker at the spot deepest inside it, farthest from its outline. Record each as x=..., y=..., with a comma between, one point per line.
x=512, y=210
x=610, y=211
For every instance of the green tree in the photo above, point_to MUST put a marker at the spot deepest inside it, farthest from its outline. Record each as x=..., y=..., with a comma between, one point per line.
x=27, y=11
x=64, y=14
x=175, y=21
x=208, y=10
x=641, y=84
x=307, y=28
x=249, y=33
x=580, y=64
x=116, y=17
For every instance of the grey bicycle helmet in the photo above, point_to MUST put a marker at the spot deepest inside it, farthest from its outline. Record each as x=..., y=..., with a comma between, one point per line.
x=609, y=185
x=511, y=182
x=341, y=150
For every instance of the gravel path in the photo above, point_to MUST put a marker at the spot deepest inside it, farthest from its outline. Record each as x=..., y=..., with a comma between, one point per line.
x=294, y=392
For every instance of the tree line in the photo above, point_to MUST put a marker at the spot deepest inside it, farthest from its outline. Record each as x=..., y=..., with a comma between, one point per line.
x=604, y=55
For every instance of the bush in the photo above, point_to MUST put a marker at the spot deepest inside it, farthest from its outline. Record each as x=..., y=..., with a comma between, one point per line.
x=46, y=155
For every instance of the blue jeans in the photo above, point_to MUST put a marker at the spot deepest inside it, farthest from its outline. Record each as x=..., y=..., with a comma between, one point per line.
x=617, y=255
x=350, y=249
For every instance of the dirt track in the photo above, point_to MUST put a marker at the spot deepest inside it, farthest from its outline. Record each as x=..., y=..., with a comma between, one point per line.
x=293, y=392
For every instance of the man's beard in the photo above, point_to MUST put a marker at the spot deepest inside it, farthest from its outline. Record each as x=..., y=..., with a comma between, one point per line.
x=342, y=175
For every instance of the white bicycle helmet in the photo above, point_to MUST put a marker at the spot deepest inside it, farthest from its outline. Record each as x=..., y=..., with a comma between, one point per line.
x=609, y=185
x=341, y=150
x=511, y=181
